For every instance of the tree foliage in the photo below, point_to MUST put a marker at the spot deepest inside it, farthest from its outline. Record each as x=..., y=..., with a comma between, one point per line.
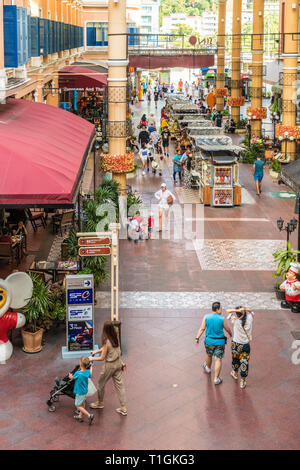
x=190, y=7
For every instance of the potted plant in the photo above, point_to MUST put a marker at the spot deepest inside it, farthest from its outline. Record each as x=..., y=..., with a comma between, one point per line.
x=274, y=170
x=283, y=258
x=37, y=308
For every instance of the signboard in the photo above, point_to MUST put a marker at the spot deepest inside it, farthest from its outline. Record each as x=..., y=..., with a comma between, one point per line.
x=80, y=315
x=95, y=251
x=93, y=241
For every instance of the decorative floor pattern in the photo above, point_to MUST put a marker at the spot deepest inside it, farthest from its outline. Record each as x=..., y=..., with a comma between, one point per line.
x=237, y=255
x=189, y=300
x=188, y=196
x=55, y=251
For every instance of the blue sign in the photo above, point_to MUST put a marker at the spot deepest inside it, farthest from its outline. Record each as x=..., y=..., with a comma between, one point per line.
x=80, y=296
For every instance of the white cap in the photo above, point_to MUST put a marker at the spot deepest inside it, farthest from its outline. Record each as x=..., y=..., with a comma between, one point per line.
x=294, y=267
x=163, y=185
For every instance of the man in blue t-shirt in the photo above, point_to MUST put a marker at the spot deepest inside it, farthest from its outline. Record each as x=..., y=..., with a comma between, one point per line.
x=177, y=165
x=258, y=173
x=214, y=325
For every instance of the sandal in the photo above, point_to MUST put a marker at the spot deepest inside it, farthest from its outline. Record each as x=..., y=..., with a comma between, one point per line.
x=233, y=375
x=78, y=418
x=243, y=384
x=96, y=405
x=121, y=412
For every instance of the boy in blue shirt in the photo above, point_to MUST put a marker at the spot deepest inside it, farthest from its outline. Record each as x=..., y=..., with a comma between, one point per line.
x=81, y=378
x=258, y=173
x=177, y=165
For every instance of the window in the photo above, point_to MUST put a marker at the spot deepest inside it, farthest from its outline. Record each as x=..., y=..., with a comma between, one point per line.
x=146, y=19
x=96, y=34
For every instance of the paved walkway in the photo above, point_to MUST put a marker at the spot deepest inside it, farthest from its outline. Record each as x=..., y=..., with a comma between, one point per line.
x=166, y=288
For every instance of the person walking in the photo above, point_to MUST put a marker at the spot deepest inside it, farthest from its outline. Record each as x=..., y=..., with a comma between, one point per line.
x=112, y=369
x=144, y=136
x=242, y=319
x=165, y=140
x=80, y=391
x=177, y=166
x=214, y=325
x=144, y=157
x=165, y=198
x=156, y=96
x=258, y=173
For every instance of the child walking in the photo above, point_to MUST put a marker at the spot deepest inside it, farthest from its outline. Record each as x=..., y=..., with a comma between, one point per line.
x=81, y=378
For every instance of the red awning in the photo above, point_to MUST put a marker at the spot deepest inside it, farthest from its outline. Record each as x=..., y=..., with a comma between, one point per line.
x=148, y=61
x=42, y=153
x=81, y=78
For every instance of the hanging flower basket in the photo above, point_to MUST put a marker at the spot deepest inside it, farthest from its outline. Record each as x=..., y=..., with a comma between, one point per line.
x=221, y=92
x=236, y=101
x=293, y=131
x=257, y=113
x=117, y=163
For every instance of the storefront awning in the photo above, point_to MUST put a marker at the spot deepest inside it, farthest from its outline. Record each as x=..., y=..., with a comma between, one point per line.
x=43, y=151
x=290, y=175
x=81, y=78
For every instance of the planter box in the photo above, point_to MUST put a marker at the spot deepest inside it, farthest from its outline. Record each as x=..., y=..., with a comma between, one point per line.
x=274, y=175
x=240, y=131
x=280, y=294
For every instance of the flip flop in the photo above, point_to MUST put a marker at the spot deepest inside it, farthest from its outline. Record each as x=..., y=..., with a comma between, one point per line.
x=121, y=412
x=233, y=375
x=243, y=384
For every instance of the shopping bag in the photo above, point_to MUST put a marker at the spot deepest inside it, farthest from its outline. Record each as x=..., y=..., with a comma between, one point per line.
x=91, y=388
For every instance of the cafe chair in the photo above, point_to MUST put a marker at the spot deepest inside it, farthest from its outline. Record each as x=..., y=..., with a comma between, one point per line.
x=35, y=217
x=8, y=253
x=63, y=221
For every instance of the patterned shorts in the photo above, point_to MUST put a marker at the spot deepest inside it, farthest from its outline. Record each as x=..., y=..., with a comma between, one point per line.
x=215, y=350
x=79, y=399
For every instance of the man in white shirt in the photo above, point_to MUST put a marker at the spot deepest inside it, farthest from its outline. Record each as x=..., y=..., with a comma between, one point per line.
x=164, y=197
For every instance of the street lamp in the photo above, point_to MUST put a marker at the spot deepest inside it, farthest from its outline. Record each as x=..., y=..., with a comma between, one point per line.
x=275, y=119
x=96, y=148
x=286, y=138
x=289, y=228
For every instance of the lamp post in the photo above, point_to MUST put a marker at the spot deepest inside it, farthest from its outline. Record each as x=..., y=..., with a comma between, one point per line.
x=96, y=148
x=286, y=139
x=289, y=228
x=275, y=119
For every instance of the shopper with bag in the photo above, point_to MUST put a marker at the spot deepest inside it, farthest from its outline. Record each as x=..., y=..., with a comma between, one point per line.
x=166, y=199
x=112, y=369
x=214, y=325
x=242, y=319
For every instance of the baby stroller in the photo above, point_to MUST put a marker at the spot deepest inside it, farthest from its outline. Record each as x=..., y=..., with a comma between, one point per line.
x=62, y=387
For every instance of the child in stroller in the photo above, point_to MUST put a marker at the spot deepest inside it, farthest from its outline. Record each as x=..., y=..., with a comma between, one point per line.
x=136, y=229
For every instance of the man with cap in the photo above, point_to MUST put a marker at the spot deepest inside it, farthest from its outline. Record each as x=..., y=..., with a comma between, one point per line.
x=291, y=286
x=165, y=198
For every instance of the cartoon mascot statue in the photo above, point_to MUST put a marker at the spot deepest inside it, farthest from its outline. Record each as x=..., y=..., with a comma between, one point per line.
x=15, y=292
x=291, y=286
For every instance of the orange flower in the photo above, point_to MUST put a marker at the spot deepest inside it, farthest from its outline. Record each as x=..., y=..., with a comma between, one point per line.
x=117, y=163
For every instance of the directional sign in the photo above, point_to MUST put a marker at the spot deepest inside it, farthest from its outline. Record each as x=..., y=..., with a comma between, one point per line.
x=92, y=241
x=94, y=251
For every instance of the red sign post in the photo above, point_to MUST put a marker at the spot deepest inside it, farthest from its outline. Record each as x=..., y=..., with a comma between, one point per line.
x=94, y=251
x=92, y=241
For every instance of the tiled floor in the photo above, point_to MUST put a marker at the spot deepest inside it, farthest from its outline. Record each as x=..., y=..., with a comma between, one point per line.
x=165, y=291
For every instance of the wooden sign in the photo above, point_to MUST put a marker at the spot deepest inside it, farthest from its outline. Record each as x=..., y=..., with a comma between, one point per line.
x=94, y=251
x=92, y=241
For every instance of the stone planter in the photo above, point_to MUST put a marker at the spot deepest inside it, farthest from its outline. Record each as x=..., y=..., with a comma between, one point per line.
x=240, y=131
x=274, y=175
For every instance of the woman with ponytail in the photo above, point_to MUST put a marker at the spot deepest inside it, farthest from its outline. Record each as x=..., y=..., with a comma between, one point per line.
x=242, y=319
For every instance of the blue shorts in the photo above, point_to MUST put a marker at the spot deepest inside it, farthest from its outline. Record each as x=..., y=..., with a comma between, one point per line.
x=258, y=177
x=79, y=399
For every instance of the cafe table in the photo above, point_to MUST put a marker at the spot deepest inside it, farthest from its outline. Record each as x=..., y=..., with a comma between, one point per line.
x=54, y=267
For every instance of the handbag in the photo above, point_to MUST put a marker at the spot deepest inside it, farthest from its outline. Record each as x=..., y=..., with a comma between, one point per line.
x=91, y=388
x=170, y=200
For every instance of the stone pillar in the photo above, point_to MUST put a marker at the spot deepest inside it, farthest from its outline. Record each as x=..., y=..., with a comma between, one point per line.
x=236, y=57
x=290, y=53
x=257, y=63
x=117, y=83
x=221, y=52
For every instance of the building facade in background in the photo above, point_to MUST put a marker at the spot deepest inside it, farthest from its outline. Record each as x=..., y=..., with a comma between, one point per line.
x=205, y=25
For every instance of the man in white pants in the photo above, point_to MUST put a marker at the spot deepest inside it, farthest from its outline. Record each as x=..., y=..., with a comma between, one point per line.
x=162, y=196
